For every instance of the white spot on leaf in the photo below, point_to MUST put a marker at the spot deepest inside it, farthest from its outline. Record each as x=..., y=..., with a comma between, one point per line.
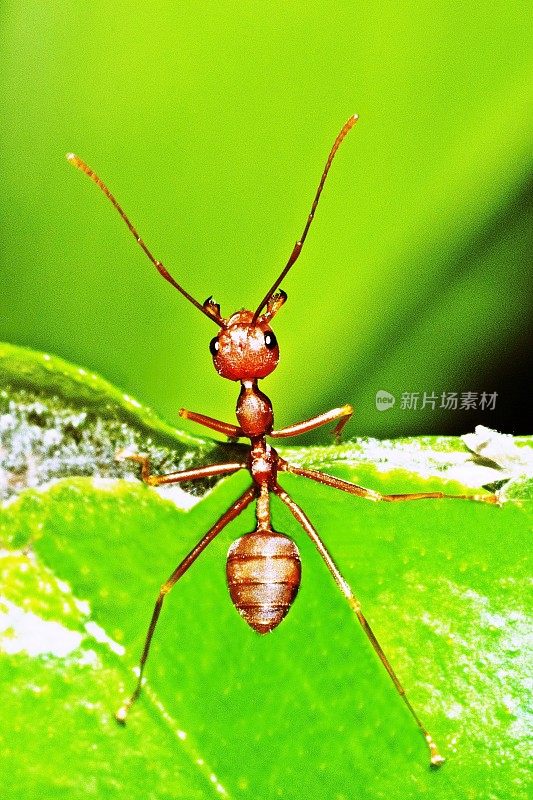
x=24, y=631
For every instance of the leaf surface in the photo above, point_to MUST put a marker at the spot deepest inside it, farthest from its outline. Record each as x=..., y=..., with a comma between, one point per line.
x=305, y=712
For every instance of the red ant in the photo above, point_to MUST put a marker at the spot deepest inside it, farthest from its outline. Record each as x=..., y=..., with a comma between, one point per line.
x=263, y=568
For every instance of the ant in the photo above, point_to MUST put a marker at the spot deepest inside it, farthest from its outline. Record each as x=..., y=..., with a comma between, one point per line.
x=263, y=567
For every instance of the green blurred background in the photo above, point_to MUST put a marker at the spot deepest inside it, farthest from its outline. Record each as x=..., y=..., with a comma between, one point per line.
x=211, y=122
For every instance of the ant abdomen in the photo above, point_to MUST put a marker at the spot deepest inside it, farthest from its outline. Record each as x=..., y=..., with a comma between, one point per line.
x=263, y=572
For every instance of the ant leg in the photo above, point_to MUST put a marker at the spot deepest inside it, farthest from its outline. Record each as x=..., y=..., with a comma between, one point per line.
x=229, y=430
x=343, y=414
x=233, y=511
x=209, y=471
x=370, y=494
x=435, y=758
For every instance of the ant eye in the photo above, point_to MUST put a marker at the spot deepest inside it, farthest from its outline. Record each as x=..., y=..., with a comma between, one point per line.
x=270, y=340
x=214, y=346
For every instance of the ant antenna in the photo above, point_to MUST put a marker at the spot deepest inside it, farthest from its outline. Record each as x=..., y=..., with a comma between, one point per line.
x=209, y=309
x=299, y=244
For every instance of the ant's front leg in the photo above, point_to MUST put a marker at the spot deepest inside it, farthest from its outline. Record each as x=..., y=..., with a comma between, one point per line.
x=229, y=430
x=343, y=414
x=209, y=471
x=370, y=494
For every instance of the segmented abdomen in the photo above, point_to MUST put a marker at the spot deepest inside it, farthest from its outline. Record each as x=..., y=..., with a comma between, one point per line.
x=263, y=572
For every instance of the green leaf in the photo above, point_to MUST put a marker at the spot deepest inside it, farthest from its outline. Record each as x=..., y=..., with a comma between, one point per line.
x=62, y=420
x=305, y=712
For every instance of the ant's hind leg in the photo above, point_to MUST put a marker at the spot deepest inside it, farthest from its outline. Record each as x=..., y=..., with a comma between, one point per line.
x=435, y=757
x=209, y=471
x=233, y=511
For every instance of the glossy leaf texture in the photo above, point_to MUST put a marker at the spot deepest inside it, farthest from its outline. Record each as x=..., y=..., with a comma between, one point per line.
x=305, y=712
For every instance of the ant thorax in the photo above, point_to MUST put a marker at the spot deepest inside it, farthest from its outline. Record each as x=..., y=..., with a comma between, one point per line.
x=254, y=411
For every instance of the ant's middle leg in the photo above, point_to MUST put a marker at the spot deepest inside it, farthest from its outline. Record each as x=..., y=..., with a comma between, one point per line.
x=209, y=471
x=343, y=414
x=370, y=494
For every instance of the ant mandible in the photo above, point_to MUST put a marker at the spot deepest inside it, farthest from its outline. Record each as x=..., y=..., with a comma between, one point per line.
x=263, y=568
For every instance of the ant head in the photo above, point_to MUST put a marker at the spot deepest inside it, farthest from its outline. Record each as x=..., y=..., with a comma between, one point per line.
x=246, y=348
